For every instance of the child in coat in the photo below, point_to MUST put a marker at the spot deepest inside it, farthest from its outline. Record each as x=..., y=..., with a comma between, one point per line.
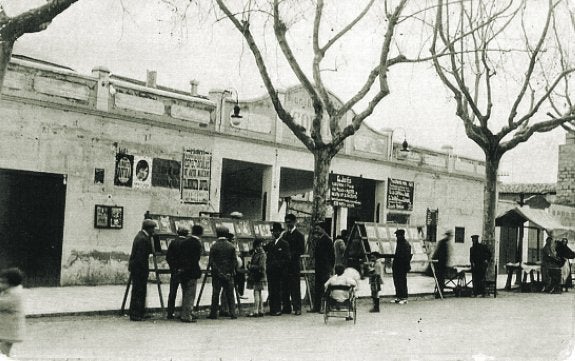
x=257, y=277
x=12, y=321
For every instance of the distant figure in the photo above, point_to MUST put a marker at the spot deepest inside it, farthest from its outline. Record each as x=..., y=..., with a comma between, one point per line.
x=324, y=263
x=174, y=264
x=565, y=254
x=354, y=254
x=277, y=264
x=551, y=267
x=441, y=254
x=339, y=246
x=12, y=322
x=257, y=277
x=376, y=272
x=479, y=257
x=401, y=265
x=139, y=269
x=240, y=277
x=223, y=262
x=296, y=242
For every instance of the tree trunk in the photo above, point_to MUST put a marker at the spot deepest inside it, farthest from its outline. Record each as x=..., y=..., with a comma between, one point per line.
x=322, y=163
x=490, y=209
x=5, y=55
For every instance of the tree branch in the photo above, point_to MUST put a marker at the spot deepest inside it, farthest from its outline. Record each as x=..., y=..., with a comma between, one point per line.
x=243, y=27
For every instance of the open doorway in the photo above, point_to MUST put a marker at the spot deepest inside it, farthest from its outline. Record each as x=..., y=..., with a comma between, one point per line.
x=241, y=188
x=32, y=224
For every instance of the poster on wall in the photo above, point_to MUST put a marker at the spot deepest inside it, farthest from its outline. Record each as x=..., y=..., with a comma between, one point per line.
x=165, y=173
x=400, y=194
x=101, y=216
x=196, y=176
x=142, y=172
x=123, y=173
x=108, y=216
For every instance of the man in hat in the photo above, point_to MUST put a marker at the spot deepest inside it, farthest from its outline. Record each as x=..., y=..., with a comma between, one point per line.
x=185, y=258
x=479, y=257
x=296, y=242
x=324, y=262
x=401, y=265
x=223, y=262
x=441, y=255
x=139, y=269
x=277, y=264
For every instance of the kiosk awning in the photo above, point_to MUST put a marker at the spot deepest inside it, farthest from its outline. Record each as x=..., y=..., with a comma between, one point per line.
x=541, y=219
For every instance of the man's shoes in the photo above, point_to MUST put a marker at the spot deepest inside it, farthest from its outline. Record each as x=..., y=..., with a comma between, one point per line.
x=252, y=315
x=170, y=316
x=314, y=311
x=374, y=310
x=233, y=317
x=350, y=318
x=276, y=314
x=286, y=312
x=402, y=302
x=213, y=317
x=259, y=315
x=136, y=319
x=192, y=320
x=297, y=313
x=224, y=314
x=395, y=301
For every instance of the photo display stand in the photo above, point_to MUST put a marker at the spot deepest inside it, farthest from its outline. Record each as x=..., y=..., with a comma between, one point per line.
x=161, y=239
x=380, y=238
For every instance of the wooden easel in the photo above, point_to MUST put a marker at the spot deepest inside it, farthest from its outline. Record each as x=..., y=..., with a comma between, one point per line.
x=158, y=271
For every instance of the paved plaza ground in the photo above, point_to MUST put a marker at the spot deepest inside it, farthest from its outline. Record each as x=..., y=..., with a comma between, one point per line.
x=514, y=326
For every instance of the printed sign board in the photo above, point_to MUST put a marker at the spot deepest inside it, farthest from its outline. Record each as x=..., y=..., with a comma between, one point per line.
x=344, y=190
x=399, y=194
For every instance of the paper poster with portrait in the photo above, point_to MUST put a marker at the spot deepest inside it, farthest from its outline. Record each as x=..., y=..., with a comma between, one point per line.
x=142, y=172
x=116, y=217
x=123, y=176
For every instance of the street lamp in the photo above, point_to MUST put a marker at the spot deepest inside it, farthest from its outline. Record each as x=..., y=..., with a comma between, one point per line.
x=236, y=112
x=404, y=145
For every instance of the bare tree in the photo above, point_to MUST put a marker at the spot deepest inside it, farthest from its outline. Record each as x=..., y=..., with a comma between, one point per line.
x=326, y=113
x=515, y=47
x=31, y=21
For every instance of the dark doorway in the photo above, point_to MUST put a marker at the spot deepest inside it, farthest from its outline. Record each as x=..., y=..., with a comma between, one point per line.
x=365, y=212
x=507, y=247
x=32, y=224
x=241, y=188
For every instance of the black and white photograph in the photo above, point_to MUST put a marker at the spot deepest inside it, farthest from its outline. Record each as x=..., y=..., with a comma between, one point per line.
x=273, y=180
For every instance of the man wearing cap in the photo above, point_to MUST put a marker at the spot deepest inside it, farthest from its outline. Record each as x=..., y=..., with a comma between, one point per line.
x=400, y=267
x=324, y=255
x=296, y=242
x=139, y=269
x=479, y=256
x=441, y=255
x=277, y=263
x=223, y=262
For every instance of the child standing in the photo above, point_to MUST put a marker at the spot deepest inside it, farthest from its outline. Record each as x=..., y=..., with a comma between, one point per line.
x=257, y=277
x=12, y=321
x=376, y=271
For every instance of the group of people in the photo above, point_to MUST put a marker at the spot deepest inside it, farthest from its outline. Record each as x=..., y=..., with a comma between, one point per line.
x=555, y=265
x=479, y=257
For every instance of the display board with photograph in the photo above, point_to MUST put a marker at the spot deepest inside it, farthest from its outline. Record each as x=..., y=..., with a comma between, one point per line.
x=196, y=176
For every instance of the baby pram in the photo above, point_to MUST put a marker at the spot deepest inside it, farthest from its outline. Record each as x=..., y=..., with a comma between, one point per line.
x=340, y=309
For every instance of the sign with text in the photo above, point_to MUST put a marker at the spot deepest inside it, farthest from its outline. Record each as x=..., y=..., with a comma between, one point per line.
x=344, y=190
x=196, y=176
x=399, y=194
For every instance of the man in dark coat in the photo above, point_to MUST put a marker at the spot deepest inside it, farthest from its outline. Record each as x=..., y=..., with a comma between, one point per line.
x=401, y=265
x=223, y=262
x=173, y=261
x=441, y=255
x=324, y=262
x=277, y=265
x=479, y=257
x=188, y=260
x=296, y=242
x=139, y=269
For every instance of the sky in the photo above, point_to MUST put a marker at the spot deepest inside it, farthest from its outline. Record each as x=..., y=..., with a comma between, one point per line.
x=132, y=36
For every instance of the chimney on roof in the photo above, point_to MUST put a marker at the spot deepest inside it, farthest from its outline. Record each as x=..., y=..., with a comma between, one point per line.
x=194, y=87
x=151, y=77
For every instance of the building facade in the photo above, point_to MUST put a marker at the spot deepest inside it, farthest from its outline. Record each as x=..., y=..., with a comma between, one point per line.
x=84, y=157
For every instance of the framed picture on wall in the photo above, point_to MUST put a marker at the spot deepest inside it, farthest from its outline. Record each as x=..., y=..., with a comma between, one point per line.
x=116, y=217
x=101, y=216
